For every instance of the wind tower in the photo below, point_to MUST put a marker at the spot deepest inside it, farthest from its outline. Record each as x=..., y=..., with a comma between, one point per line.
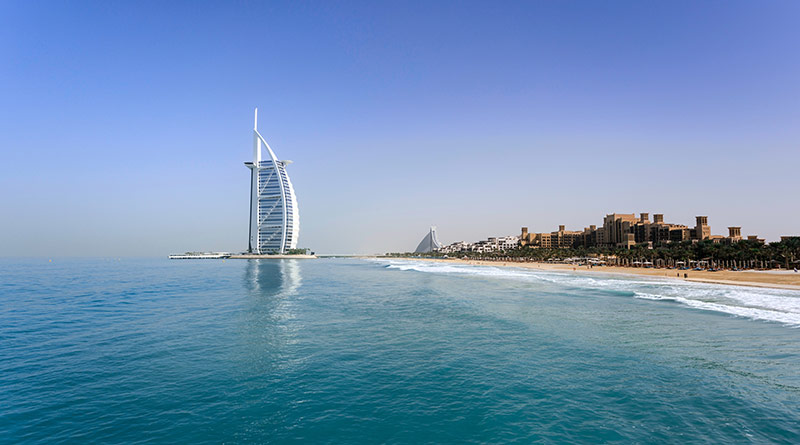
x=274, y=217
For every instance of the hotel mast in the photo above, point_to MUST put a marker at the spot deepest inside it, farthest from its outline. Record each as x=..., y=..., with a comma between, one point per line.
x=274, y=221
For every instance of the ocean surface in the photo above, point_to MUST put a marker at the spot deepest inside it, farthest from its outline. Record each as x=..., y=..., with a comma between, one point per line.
x=379, y=351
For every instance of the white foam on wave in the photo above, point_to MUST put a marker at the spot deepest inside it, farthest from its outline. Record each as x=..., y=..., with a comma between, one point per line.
x=782, y=306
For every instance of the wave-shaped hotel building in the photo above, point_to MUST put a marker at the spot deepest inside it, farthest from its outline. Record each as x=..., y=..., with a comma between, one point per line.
x=274, y=218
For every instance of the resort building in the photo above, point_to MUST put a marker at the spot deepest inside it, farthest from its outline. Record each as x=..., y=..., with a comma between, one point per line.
x=459, y=246
x=702, y=230
x=559, y=239
x=658, y=232
x=274, y=218
x=617, y=227
x=505, y=242
x=492, y=244
x=626, y=230
x=619, y=230
x=734, y=234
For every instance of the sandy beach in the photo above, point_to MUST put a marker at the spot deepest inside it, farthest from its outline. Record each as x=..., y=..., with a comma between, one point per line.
x=771, y=279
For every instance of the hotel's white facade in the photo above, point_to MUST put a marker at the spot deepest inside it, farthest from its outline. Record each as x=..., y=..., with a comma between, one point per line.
x=493, y=244
x=274, y=218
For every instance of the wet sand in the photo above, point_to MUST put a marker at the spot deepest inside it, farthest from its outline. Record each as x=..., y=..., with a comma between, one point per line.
x=771, y=279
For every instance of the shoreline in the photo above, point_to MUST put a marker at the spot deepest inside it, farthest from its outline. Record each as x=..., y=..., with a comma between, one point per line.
x=749, y=278
x=273, y=257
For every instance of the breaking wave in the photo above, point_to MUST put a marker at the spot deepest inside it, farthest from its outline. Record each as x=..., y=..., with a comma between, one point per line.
x=777, y=305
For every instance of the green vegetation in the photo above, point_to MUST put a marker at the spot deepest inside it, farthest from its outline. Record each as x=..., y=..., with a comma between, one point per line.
x=748, y=253
x=303, y=251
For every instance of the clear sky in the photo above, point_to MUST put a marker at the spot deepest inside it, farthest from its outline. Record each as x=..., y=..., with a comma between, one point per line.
x=124, y=125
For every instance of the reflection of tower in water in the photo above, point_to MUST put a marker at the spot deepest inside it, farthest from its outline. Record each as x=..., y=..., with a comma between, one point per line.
x=272, y=277
x=266, y=329
x=290, y=271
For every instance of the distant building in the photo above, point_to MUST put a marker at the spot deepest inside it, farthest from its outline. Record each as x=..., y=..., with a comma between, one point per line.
x=459, y=246
x=274, y=216
x=626, y=230
x=701, y=229
x=734, y=234
x=558, y=239
x=506, y=242
x=429, y=243
x=492, y=244
x=617, y=226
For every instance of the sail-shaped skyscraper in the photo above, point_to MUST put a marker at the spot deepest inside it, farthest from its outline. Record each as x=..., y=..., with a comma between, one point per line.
x=274, y=219
x=429, y=243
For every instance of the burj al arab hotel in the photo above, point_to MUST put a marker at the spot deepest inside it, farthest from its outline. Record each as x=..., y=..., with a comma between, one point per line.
x=274, y=221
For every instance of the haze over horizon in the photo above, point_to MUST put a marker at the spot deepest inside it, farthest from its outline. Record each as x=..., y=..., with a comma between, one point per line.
x=124, y=126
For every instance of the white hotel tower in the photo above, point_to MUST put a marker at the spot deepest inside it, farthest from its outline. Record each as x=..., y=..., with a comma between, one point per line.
x=274, y=221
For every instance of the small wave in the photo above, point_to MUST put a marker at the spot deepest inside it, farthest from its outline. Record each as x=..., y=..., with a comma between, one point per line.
x=777, y=305
x=646, y=296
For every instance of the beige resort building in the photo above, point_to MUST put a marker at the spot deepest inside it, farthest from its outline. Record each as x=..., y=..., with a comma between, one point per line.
x=626, y=230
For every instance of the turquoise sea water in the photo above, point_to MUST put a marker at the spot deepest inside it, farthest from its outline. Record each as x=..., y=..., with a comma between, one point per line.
x=345, y=351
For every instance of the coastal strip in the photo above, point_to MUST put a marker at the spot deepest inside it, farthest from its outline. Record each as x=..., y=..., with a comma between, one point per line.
x=272, y=257
x=787, y=280
x=242, y=256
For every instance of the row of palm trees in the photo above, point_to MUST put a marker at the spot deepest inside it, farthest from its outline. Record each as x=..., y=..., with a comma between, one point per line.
x=745, y=253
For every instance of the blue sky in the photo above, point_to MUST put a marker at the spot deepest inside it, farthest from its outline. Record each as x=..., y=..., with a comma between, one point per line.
x=124, y=125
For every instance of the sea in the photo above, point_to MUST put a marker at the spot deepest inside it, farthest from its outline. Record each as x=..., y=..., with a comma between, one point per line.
x=121, y=350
